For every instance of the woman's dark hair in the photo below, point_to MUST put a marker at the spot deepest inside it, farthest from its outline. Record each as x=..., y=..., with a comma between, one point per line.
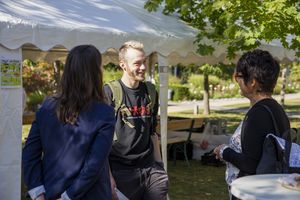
x=81, y=82
x=261, y=66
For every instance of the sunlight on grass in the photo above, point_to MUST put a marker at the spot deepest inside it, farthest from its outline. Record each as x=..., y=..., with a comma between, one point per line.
x=233, y=118
x=25, y=131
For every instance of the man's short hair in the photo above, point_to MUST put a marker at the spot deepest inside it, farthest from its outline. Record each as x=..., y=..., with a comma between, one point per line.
x=130, y=44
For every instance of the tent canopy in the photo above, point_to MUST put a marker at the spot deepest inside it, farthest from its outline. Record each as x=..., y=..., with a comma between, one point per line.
x=106, y=24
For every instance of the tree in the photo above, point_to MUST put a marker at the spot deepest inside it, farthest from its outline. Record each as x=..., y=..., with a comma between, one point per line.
x=240, y=25
x=207, y=69
x=284, y=74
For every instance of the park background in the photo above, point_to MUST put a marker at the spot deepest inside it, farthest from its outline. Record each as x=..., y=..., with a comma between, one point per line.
x=222, y=31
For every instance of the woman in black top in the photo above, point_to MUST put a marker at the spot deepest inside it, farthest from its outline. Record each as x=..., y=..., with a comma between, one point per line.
x=256, y=73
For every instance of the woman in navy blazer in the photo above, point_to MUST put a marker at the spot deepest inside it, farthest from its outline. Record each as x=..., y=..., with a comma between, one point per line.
x=66, y=153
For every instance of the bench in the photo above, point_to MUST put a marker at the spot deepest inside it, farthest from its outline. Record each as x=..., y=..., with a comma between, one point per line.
x=175, y=125
x=179, y=140
x=28, y=118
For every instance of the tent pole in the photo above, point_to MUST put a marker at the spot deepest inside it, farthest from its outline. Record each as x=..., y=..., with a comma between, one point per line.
x=163, y=97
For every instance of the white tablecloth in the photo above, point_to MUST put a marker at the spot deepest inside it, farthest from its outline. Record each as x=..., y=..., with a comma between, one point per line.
x=262, y=187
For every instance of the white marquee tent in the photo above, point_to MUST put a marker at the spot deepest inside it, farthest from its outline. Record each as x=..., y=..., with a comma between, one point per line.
x=50, y=25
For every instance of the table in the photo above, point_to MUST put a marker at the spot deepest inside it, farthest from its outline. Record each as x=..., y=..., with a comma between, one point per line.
x=262, y=187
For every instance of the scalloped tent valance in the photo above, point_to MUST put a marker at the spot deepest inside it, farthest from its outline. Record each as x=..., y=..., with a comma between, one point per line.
x=105, y=24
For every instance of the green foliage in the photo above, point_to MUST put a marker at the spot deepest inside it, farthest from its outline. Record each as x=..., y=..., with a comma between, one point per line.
x=227, y=71
x=225, y=89
x=38, y=82
x=293, y=80
x=35, y=99
x=214, y=80
x=295, y=72
x=180, y=92
x=196, y=86
x=111, y=67
x=196, y=81
x=38, y=76
x=220, y=70
x=184, y=72
x=173, y=80
x=238, y=24
x=111, y=75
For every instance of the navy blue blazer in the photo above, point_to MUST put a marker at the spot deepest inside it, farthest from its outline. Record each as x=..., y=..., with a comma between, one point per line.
x=72, y=158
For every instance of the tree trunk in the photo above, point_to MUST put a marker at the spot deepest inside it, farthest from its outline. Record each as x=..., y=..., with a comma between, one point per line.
x=206, y=96
x=284, y=80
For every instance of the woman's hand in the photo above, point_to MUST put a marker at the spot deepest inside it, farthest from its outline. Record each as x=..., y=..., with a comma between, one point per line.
x=217, y=151
x=40, y=197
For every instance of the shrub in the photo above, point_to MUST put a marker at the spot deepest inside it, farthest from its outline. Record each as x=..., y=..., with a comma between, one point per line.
x=173, y=80
x=38, y=81
x=34, y=100
x=196, y=81
x=109, y=75
x=38, y=76
x=111, y=67
x=180, y=92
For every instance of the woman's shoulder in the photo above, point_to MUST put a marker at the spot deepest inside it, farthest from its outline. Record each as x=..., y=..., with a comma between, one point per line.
x=49, y=103
x=98, y=113
x=270, y=103
x=101, y=107
x=261, y=110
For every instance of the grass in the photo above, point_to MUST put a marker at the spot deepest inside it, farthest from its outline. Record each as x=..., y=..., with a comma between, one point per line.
x=234, y=116
x=198, y=181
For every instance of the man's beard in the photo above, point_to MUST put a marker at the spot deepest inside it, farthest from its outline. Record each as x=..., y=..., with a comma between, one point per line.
x=135, y=75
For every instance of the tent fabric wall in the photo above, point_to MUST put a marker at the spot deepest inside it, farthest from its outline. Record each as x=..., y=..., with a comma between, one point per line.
x=10, y=135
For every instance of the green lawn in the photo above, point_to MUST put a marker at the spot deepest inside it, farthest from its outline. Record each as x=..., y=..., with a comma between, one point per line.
x=233, y=117
x=205, y=182
x=196, y=181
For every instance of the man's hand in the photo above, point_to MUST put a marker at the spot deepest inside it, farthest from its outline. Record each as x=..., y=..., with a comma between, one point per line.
x=156, y=148
x=40, y=197
x=113, y=187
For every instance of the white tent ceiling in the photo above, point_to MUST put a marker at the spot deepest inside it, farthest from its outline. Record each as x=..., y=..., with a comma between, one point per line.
x=105, y=24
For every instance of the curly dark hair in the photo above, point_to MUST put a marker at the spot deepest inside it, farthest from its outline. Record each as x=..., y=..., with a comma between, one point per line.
x=81, y=83
x=261, y=66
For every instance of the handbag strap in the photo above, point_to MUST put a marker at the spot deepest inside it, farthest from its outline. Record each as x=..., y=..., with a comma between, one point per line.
x=285, y=135
x=273, y=120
